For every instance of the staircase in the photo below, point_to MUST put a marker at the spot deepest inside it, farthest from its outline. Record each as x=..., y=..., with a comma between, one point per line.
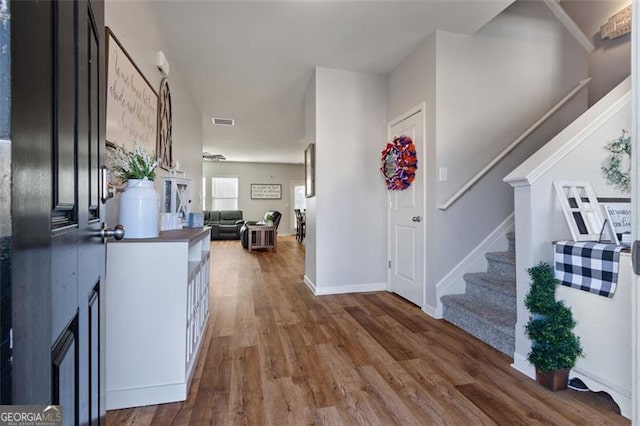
x=488, y=308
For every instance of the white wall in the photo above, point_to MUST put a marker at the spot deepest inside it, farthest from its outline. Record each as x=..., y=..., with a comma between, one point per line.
x=491, y=87
x=576, y=154
x=412, y=82
x=349, y=206
x=610, y=63
x=135, y=26
x=487, y=89
x=248, y=173
x=310, y=220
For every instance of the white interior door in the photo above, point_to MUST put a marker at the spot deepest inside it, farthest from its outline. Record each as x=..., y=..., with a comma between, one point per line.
x=406, y=219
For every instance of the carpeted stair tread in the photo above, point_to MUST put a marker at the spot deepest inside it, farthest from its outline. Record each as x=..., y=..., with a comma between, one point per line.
x=488, y=308
x=496, y=317
x=493, y=282
x=491, y=324
x=507, y=257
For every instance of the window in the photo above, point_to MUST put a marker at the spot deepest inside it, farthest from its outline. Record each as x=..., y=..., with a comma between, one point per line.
x=299, y=201
x=204, y=193
x=224, y=193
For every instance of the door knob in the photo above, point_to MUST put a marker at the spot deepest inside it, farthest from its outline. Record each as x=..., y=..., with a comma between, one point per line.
x=117, y=232
x=416, y=218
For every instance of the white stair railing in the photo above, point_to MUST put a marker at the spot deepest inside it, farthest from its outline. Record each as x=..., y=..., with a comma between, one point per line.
x=512, y=146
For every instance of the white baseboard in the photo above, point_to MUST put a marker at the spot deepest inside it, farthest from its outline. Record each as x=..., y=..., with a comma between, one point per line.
x=432, y=311
x=521, y=364
x=356, y=288
x=453, y=282
x=149, y=395
x=310, y=284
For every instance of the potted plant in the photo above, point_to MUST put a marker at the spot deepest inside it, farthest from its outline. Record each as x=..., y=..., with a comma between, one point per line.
x=555, y=347
x=136, y=164
x=139, y=202
x=269, y=217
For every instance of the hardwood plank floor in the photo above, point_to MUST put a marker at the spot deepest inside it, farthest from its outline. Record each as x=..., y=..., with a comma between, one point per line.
x=274, y=354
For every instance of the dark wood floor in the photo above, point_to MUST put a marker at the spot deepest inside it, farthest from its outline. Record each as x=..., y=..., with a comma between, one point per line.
x=275, y=354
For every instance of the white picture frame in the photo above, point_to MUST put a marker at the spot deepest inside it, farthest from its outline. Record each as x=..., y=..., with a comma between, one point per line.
x=581, y=209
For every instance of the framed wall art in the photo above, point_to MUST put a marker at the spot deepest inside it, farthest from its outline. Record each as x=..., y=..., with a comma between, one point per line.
x=310, y=171
x=266, y=191
x=132, y=104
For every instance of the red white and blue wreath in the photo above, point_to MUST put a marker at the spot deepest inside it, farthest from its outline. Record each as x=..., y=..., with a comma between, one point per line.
x=399, y=163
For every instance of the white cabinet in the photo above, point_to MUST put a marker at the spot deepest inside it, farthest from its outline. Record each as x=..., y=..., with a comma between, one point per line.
x=176, y=196
x=157, y=298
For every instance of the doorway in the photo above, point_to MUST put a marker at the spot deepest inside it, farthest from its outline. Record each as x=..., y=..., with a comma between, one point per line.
x=405, y=213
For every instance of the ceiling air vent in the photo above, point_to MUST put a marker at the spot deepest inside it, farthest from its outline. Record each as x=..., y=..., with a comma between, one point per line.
x=207, y=156
x=223, y=121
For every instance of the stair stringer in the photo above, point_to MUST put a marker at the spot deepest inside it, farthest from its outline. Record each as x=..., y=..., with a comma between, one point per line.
x=453, y=282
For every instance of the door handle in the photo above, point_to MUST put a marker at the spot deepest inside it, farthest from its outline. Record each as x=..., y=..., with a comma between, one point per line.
x=117, y=232
x=416, y=218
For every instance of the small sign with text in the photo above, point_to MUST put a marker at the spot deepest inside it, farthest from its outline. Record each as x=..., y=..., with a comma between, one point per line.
x=30, y=415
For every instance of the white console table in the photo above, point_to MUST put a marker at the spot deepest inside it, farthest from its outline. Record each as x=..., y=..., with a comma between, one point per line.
x=157, y=298
x=604, y=327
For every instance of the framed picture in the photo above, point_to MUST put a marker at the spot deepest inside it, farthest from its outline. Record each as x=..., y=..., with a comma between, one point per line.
x=266, y=191
x=132, y=104
x=310, y=171
x=617, y=211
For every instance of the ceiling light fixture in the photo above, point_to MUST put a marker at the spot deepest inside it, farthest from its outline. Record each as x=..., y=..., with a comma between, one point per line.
x=217, y=121
x=207, y=156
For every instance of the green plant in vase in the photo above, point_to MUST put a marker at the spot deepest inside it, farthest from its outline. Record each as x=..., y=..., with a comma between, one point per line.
x=269, y=217
x=554, y=346
x=135, y=164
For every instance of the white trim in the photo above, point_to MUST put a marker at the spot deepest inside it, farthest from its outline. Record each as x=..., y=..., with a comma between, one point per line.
x=146, y=395
x=475, y=261
x=354, y=288
x=523, y=365
x=570, y=25
x=409, y=113
x=310, y=284
x=432, y=311
x=568, y=139
x=460, y=192
x=621, y=396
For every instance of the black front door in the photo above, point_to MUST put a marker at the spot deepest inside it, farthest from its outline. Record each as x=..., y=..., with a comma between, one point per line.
x=58, y=259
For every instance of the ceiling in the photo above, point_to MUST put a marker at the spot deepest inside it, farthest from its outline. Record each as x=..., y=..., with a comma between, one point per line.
x=252, y=60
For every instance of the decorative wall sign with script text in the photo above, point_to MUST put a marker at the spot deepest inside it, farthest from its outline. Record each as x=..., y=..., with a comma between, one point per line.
x=132, y=104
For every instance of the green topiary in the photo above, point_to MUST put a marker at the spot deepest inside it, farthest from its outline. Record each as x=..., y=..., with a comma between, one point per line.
x=554, y=346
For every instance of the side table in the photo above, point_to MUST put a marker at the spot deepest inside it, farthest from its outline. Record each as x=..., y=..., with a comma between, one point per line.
x=262, y=236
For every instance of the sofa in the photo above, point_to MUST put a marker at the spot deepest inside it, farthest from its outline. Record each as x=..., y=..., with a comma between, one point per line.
x=244, y=232
x=225, y=224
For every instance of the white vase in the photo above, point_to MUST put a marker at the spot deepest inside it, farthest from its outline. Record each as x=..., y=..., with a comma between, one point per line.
x=139, y=209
